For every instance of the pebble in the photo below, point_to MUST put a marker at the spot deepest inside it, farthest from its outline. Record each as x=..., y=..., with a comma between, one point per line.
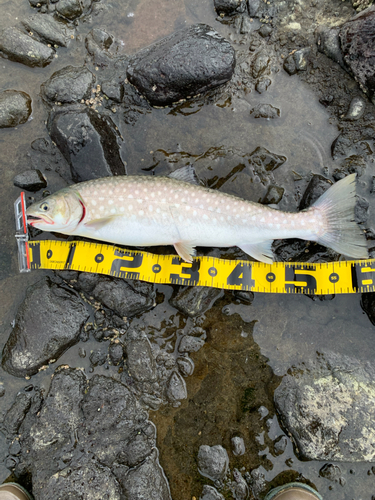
x=238, y=446
x=356, y=109
x=213, y=462
x=31, y=180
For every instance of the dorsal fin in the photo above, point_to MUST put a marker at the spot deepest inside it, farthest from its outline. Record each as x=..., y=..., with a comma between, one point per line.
x=186, y=174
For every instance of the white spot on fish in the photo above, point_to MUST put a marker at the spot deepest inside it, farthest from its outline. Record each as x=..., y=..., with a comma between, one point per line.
x=205, y=216
x=302, y=223
x=253, y=217
x=201, y=206
x=130, y=207
x=158, y=210
x=150, y=208
x=130, y=196
x=285, y=221
x=141, y=212
x=180, y=218
x=262, y=219
x=270, y=224
x=101, y=208
x=123, y=208
x=195, y=212
x=113, y=210
x=110, y=202
x=101, y=198
x=93, y=202
x=278, y=226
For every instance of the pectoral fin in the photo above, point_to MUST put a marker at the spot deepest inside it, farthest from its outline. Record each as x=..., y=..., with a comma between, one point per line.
x=185, y=250
x=260, y=251
x=99, y=223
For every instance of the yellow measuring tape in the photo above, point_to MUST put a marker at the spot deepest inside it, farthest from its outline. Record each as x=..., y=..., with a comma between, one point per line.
x=280, y=277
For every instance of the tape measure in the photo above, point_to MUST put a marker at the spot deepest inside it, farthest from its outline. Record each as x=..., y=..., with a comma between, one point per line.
x=280, y=277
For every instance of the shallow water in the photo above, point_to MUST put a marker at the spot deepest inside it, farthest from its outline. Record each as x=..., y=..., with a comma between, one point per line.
x=286, y=329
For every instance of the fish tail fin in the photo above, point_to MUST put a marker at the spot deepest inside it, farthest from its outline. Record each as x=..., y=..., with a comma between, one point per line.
x=341, y=232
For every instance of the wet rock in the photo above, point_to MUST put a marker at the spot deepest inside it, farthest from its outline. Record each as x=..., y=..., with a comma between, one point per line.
x=297, y=61
x=91, y=481
x=140, y=360
x=322, y=408
x=341, y=147
x=246, y=25
x=89, y=142
x=15, y=108
x=244, y=296
x=260, y=64
x=31, y=180
x=230, y=7
x=111, y=433
x=352, y=164
x=356, y=109
x=330, y=472
x=274, y=195
x=47, y=29
x=189, y=343
x=176, y=388
x=2, y=390
x=98, y=43
x=116, y=353
x=329, y=44
x=265, y=30
x=210, y=493
x=262, y=85
x=265, y=111
x=146, y=481
x=280, y=445
x=68, y=85
x=70, y=9
x=125, y=298
x=47, y=324
x=193, y=301
x=113, y=90
x=257, y=482
x=238, y=446
x=98, y=357
x=185, y=366
x=186, y=63
x=316, y=187
x=361, y=210
x=16, y=414
x=357, y=46
x=368, y=305
x=17, y=46
x=239, y=488
x=213, y=462
x=326, y=100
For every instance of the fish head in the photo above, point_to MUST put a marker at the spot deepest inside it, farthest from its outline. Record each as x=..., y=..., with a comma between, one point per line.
x=60, y=212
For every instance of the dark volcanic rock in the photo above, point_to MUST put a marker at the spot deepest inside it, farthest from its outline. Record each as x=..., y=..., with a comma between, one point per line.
x=98, y=42
x=358, y=49
x=81, y=440
x=17, y=46
x=352, y=46
x=186, y=63
x=193, y=301
x=68, y=85
x=47, y=324
x=230, y=7
x=89, y=142
x=327, y=415
x=48, y=29
x=368, y=305
x=15, y=108
x=71, y=9
x=140, y=360
x=125, y=298
x=273, y=195
x=31, y=180
x=316, y=187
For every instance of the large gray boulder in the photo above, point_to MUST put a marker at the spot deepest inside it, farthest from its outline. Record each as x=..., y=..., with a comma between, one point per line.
x=328, y=406
x=186, y=63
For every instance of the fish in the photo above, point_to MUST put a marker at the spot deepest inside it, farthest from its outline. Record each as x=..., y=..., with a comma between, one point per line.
x=147, y=211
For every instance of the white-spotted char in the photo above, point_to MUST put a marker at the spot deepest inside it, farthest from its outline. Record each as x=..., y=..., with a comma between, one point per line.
x=149, y=211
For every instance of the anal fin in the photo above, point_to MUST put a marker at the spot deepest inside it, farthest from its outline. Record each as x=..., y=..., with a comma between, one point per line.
x=260, y=251
x=185, y=250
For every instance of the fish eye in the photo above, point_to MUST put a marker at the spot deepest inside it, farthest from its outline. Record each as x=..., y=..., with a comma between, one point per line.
x=44, y=206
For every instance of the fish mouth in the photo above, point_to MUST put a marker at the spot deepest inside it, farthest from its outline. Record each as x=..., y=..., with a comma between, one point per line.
x=36, y=219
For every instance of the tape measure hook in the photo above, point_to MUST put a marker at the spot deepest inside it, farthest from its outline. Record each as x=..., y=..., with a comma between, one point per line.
x=22, y=236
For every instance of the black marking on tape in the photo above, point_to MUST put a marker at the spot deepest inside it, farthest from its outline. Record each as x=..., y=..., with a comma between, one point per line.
x=69, y=259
